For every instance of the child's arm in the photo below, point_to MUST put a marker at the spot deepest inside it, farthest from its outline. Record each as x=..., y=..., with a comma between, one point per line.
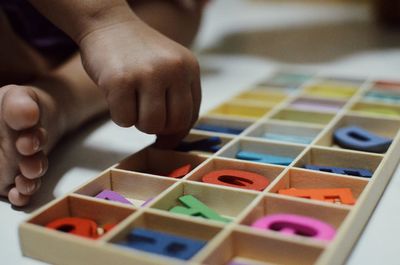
x=78, y=18
x=149, y=80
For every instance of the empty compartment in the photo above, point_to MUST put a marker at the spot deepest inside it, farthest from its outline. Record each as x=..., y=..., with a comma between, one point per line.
x=227, y=203
x=387, y=128
x=273, y=205
x=263, y=152
x=265, y=86
x=387, y=85
x=240, y=110
x=103, y=214
x=221, y=125
x=261, y=97
x=203, y=143
x=303, y=116
x=306, y=179
x=376, y=109
x=340, y=159
x=343, y=80
x=275, y=131
x=153, y=161
x=313, y=104
x=136, y=188
x=201, y=233
x=248, y=248
x=267, y=172
x=288, y=79
x=331, y=89
x=384, y=96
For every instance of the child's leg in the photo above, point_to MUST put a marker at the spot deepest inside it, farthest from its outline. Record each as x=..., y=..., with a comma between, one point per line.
x=18, y=61
x=34, y=117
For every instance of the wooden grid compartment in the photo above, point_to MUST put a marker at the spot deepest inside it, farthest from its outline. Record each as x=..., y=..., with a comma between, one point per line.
x=239, y=109
x=303, y=116
x=382, y=96
x=152, y=161
x=195, y=136
x=307, y=179
x=136, y=188
x=269, y=172
x=274, y=204
x=380, y=126
x=235, y=125
x=330, y=157
x=283, y=104
x=283, y=132
x=270, y=87
x=226, y=202
x=53, y=246
x=169, y=224
x=249, y=248
x=101, y=212
x=259, y=96
x=262, y=147
x=331, y=89
x=377, y=109
x=287, y=79
x=340, y=80
x=315, y=104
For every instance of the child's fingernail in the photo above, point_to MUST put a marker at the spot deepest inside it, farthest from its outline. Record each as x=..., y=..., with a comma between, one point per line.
x=41, y=169
x=36, y=143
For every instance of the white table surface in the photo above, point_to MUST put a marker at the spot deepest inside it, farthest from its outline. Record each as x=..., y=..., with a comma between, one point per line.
x=338, y=40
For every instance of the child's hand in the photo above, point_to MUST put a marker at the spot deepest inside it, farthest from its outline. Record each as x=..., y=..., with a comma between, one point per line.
x=149, y=80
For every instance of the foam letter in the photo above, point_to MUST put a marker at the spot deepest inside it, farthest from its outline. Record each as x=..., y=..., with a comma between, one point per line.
x=291, y=224
x=219, y=129
x=264, y=158
x=163, y=243
x=180, y=172
x=237, y=178
x=288, y=138
x=356, y=138
x=210, y=144
x=194, y=207
x=110, y=195
x=343, y=195
x=76, y=226
x=357, y=172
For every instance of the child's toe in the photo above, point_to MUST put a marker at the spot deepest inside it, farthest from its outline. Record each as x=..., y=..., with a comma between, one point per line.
x=31, y=141
x=34, y=166
x=20, y=108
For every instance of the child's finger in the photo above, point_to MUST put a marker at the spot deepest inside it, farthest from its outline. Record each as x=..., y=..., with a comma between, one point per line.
x=180, y=108
x=196, y=98
x=27, y=186
x=152, y=107
x=168, y=141
x=123, y=106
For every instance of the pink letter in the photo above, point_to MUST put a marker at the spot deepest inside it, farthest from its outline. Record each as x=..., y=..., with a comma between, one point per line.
x=292, y=224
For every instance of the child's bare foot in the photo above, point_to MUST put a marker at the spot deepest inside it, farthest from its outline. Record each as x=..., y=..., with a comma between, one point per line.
x=25, y=115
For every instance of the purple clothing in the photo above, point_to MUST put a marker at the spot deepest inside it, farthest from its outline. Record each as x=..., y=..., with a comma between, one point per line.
x=36, y=30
